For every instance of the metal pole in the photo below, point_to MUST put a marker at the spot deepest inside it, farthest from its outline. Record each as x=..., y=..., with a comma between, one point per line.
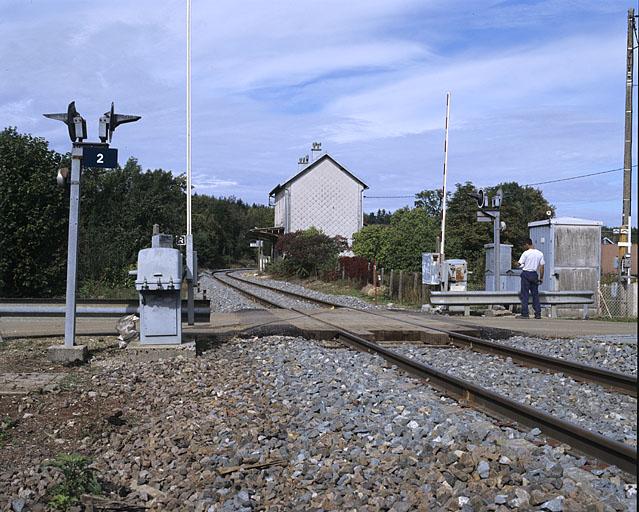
x=190, y=278
x=444, y=192
x=72, y=246
x=188, y=117
x=624, y=237
x=497, y=251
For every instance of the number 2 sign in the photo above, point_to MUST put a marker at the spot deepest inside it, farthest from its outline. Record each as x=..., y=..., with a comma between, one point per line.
x=99, y=155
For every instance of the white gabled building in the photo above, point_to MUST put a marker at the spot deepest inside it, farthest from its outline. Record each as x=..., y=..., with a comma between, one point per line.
x=323, y=194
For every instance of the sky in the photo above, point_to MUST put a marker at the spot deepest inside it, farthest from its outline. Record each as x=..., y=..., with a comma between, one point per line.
x=537, y=87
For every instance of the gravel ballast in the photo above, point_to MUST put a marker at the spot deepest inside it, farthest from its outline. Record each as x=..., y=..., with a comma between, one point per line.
x=283, y=301
x=223, y=298
x=343, y=300
x=284, y=423
x=588, y=405
x=618, y=353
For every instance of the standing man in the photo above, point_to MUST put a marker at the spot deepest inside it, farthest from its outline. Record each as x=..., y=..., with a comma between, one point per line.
x=532, y=274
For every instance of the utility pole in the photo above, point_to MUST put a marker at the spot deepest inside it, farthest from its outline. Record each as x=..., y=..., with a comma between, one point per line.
x=442, y=238
x=191, y=254
x=625, y=238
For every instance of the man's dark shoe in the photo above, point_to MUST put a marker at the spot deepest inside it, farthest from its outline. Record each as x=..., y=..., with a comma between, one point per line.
x=522, y=316
x=537, y=317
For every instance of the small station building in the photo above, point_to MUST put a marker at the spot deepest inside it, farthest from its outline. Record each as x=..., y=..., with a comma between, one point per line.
x=323, y=194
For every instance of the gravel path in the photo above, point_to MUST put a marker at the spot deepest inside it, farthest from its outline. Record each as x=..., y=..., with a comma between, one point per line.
x=333, y=429
x=617, y=353
x=344, y=300
x=589, y=405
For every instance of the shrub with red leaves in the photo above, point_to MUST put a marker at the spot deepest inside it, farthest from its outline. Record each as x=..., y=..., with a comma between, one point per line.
x=355, y=267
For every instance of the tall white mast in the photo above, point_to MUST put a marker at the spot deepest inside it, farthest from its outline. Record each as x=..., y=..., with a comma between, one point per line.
x=443, y=231
x=188, y=118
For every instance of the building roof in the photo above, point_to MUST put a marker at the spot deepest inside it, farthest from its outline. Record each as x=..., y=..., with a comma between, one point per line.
x=312, y=165
x=566, y=221
x=268, y=233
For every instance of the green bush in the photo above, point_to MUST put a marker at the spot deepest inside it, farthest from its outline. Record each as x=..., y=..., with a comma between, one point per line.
x=79, y=479
x=6, y=424
x=399, y=245
x=308, y=253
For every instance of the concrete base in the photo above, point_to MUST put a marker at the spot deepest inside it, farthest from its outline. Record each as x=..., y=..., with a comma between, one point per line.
x=142, y=353
x=62, y=354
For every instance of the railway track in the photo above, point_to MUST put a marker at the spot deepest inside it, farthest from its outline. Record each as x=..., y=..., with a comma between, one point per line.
x=617, y=381
x=583, y=440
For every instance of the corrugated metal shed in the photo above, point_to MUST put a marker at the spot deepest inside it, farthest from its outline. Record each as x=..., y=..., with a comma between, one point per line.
x=572, y=250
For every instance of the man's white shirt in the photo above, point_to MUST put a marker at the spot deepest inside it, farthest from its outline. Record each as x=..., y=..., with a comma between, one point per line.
x=531, y=259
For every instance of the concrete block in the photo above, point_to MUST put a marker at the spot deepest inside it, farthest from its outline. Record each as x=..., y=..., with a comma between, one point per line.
x=142, y=353
x=62, y=354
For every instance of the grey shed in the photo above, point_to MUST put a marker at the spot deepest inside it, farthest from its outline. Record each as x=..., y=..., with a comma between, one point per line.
x=572, y=251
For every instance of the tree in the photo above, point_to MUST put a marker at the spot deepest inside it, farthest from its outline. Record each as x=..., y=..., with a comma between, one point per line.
x=221, y=228
x=465, y=237
x=431, y=202
x=520, y=206
x=34, y=213
x=371, y=242
x=381, y=217
x=400, y=245
x=119, y=208
x=413, y=231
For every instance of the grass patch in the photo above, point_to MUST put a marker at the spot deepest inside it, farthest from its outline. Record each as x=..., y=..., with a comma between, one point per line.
x=98, y=290
x=70, y=381
x=344, y=287
x=79, y=479
x=6, y=424
x=622, y=319
x=341, y=287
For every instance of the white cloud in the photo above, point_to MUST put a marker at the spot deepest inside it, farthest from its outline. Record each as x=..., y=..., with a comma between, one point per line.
x=202, y=182
x=515, y=82
x=367, y=77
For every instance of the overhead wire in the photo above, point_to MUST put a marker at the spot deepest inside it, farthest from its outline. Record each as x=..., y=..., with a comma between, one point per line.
x=524, y=185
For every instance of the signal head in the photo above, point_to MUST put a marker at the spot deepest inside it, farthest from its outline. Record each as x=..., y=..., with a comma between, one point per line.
x=112, y=121
x=76, y=124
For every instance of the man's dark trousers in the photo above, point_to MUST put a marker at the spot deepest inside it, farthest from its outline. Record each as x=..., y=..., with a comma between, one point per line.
x=530, y=284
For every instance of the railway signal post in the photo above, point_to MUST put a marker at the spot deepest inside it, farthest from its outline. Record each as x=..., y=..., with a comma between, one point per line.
x=489, y=212
x=87, y=154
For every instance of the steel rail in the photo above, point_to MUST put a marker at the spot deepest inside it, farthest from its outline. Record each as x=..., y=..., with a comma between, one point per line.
x=590, y=443
x=593, y=444
x=246, y=293
x=295, y=295
x=618, y=381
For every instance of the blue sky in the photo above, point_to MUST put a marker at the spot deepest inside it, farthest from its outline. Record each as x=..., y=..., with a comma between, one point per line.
x=537, y=89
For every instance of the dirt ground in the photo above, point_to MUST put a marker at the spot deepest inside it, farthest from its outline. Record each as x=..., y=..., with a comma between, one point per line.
x=39, y=423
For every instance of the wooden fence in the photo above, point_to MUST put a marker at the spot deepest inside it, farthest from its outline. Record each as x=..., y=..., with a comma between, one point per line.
x=399, y=286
